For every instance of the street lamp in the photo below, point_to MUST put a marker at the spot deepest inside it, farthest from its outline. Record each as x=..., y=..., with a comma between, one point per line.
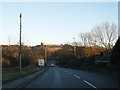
x=20, y=39
x=45, y=54
x=74, y=46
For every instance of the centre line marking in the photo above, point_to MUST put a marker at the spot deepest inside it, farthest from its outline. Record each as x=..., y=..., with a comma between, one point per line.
x=90, y=84
x=77, y=76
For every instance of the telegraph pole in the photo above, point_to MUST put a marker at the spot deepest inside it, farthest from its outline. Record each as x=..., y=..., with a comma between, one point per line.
x=20, y=39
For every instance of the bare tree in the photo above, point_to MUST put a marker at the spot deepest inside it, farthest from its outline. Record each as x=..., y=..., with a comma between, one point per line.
x=83, y=39
x=88, y=39
x=91, y=39
x=106, y=34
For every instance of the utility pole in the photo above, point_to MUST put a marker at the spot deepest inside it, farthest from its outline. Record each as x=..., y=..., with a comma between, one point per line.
x=45, y=54
x=20, y=39
x=74, y=47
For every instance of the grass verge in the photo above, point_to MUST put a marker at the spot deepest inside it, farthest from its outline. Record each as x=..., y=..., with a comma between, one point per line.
x=14, y=73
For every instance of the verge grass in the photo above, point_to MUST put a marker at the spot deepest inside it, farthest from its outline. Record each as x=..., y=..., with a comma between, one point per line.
x=14, y=73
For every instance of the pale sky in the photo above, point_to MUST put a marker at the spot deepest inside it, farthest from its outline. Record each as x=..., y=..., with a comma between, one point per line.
x=53, y=22
x=119, y=19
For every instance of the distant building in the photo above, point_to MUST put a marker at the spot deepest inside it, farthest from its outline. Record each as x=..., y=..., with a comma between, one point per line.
x=42, y=44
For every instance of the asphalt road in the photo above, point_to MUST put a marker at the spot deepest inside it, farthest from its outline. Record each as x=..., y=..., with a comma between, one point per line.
x=58, y=77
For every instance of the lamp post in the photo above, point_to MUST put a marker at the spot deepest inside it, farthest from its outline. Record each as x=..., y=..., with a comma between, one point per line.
x=20, y=39
x=45, y=54
x=74, y=47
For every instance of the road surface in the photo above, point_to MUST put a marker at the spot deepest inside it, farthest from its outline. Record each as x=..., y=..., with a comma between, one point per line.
x=58, y=77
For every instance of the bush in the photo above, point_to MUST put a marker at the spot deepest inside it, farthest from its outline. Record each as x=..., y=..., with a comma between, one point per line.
x=10, y=56
x=26, y=60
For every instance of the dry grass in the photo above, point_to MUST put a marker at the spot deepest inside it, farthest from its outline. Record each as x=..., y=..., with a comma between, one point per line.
x=9, y=74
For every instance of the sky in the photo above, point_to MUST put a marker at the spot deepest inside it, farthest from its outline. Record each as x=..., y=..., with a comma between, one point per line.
x=53, y=22
x=119, y=19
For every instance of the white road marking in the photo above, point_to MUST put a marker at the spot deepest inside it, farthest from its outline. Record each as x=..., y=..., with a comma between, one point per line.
x=90, y=84
x=77, y=76
x=70, y=73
